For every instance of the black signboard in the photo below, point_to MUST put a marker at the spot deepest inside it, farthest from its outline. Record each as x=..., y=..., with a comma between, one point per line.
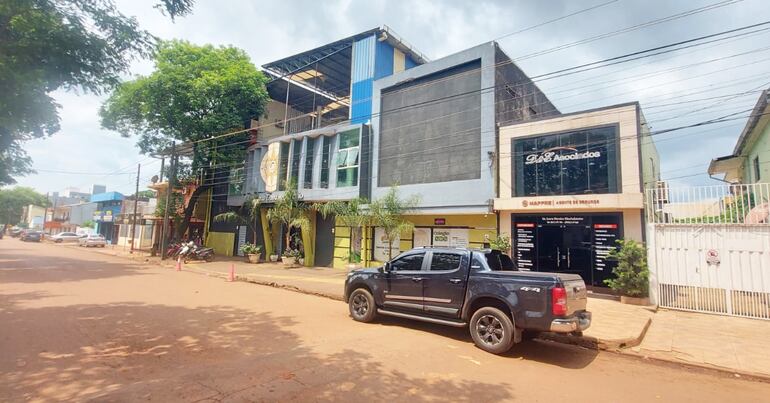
x=567, y=243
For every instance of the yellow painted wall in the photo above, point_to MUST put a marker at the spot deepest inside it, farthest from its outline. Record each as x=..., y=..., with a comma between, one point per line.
x=221, y=242
x=481, y=228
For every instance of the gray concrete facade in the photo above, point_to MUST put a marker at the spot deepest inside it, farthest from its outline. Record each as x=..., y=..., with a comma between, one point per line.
x=461, y=196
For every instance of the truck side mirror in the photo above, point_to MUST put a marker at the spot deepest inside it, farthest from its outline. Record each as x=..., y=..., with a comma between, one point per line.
x=386, y=267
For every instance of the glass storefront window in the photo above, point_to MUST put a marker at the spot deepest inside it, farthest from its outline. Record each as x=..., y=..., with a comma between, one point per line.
x=309, y=160
x=283, y=166
x=326, y=152
x=577, y=162
x=296, y=157
x=347, y=158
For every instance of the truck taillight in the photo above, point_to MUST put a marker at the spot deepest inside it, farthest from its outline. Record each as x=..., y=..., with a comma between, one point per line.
x=559, y=301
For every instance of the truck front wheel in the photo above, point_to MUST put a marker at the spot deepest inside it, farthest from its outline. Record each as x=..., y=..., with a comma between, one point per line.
x=492, y=330
x=361, y=304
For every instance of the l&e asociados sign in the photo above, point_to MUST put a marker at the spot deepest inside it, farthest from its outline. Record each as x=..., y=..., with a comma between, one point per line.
x=550, y=155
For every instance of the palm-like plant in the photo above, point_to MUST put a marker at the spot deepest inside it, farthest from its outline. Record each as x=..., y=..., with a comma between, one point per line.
x=351, y=213
x=247, y=214
x=388, y=212
x=290, y=210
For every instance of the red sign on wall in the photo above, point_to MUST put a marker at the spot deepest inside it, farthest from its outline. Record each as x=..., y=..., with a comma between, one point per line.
x=439, y=221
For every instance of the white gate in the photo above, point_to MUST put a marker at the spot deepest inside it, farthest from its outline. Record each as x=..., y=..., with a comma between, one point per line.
x=711, y=254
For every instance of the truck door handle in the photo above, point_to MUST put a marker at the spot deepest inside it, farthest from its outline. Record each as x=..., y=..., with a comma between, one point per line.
x=416, y=279
x=455, y=280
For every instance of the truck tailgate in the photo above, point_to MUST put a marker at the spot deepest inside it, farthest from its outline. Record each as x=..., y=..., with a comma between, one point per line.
x=577, y=295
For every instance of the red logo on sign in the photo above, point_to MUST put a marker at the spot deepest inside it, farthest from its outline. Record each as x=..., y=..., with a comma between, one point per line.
x=605, y=226
x=525, y=225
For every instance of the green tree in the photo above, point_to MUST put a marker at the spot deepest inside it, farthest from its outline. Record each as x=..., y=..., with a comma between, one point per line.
x=146, y=193
x=13, y=201
x=353, y=214
x=88, y=224
x=47, y=45
x=631, y=274
x=388, y=212
x=247, y=214
x=195, y=94
x=290, y=210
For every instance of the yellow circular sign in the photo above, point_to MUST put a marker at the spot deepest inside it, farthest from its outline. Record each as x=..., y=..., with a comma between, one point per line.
x=268, y=168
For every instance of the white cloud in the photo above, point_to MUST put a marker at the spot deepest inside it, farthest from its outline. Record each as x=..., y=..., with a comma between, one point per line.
x=271, y=30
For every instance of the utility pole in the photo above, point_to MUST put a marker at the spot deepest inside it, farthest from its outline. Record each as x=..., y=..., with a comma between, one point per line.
x=169, y=189
x=45, y=212
x=136, y=203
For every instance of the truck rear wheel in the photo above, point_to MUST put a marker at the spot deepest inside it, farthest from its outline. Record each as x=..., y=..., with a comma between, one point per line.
x=361, y=304
x=492, y=330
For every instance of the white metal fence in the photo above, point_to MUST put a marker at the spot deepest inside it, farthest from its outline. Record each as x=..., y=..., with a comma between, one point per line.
x=709, y=249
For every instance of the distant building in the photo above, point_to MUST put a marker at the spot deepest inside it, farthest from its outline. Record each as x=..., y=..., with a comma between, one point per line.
x=750, y=160
x=97, y=189
x=108, y=206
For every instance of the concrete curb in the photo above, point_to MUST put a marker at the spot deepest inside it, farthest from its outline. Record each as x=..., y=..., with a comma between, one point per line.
x=599, y=344
x=747, y=375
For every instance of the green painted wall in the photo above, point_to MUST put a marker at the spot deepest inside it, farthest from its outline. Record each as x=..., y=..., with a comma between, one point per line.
x=761, y=149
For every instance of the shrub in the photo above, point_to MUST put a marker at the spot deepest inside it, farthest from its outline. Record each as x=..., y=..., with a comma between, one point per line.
x=632, y=277
x=251, y=249
x=502, y=243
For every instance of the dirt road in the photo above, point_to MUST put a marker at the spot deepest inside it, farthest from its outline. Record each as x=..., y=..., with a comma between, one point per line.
x=77, y=325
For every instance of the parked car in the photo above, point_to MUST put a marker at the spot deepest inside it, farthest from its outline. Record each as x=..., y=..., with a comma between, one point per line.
x=16, y=232
x=475, y=288
x=96, y=240
x=31, y=236
x=66, y=237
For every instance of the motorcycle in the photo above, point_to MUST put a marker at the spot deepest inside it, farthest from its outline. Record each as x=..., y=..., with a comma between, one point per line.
x=191, y=251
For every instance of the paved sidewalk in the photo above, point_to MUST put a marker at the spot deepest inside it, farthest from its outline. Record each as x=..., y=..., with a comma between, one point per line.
x=723, y=342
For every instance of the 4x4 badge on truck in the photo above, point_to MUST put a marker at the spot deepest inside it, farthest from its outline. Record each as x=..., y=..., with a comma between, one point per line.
x=535, y=289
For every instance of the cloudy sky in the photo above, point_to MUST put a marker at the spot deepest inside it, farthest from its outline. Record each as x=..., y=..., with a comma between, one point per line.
x=671, y=87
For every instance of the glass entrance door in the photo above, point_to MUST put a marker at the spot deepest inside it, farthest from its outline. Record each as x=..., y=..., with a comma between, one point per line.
x=562, y=243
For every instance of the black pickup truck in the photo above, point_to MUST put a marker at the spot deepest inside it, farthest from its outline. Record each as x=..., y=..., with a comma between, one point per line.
x=479, y=288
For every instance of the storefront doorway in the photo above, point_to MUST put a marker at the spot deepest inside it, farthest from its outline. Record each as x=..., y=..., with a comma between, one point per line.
x=576, y=244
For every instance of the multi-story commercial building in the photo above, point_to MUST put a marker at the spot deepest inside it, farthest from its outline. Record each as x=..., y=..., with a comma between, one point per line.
x=571, y=185
x=108, y=207
x=367, y=113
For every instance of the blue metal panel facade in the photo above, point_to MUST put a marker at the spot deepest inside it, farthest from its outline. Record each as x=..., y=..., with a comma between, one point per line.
x=363, y=59
x=409, y=62
x=109, y=196
x=361, y=101
x=383, y=60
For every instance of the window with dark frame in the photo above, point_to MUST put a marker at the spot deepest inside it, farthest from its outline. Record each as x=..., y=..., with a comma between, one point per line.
x=296, y=158
x=326, y=153
x=576, y=162
x=347, y=158
x=309, y=161
x=756, y=169
x=283, y=166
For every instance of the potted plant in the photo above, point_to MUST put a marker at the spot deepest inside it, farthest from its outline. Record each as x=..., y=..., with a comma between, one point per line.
x=632, y=278
x=252, y=252
x=354, y=260
x=289, y=258
x=274, y=256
